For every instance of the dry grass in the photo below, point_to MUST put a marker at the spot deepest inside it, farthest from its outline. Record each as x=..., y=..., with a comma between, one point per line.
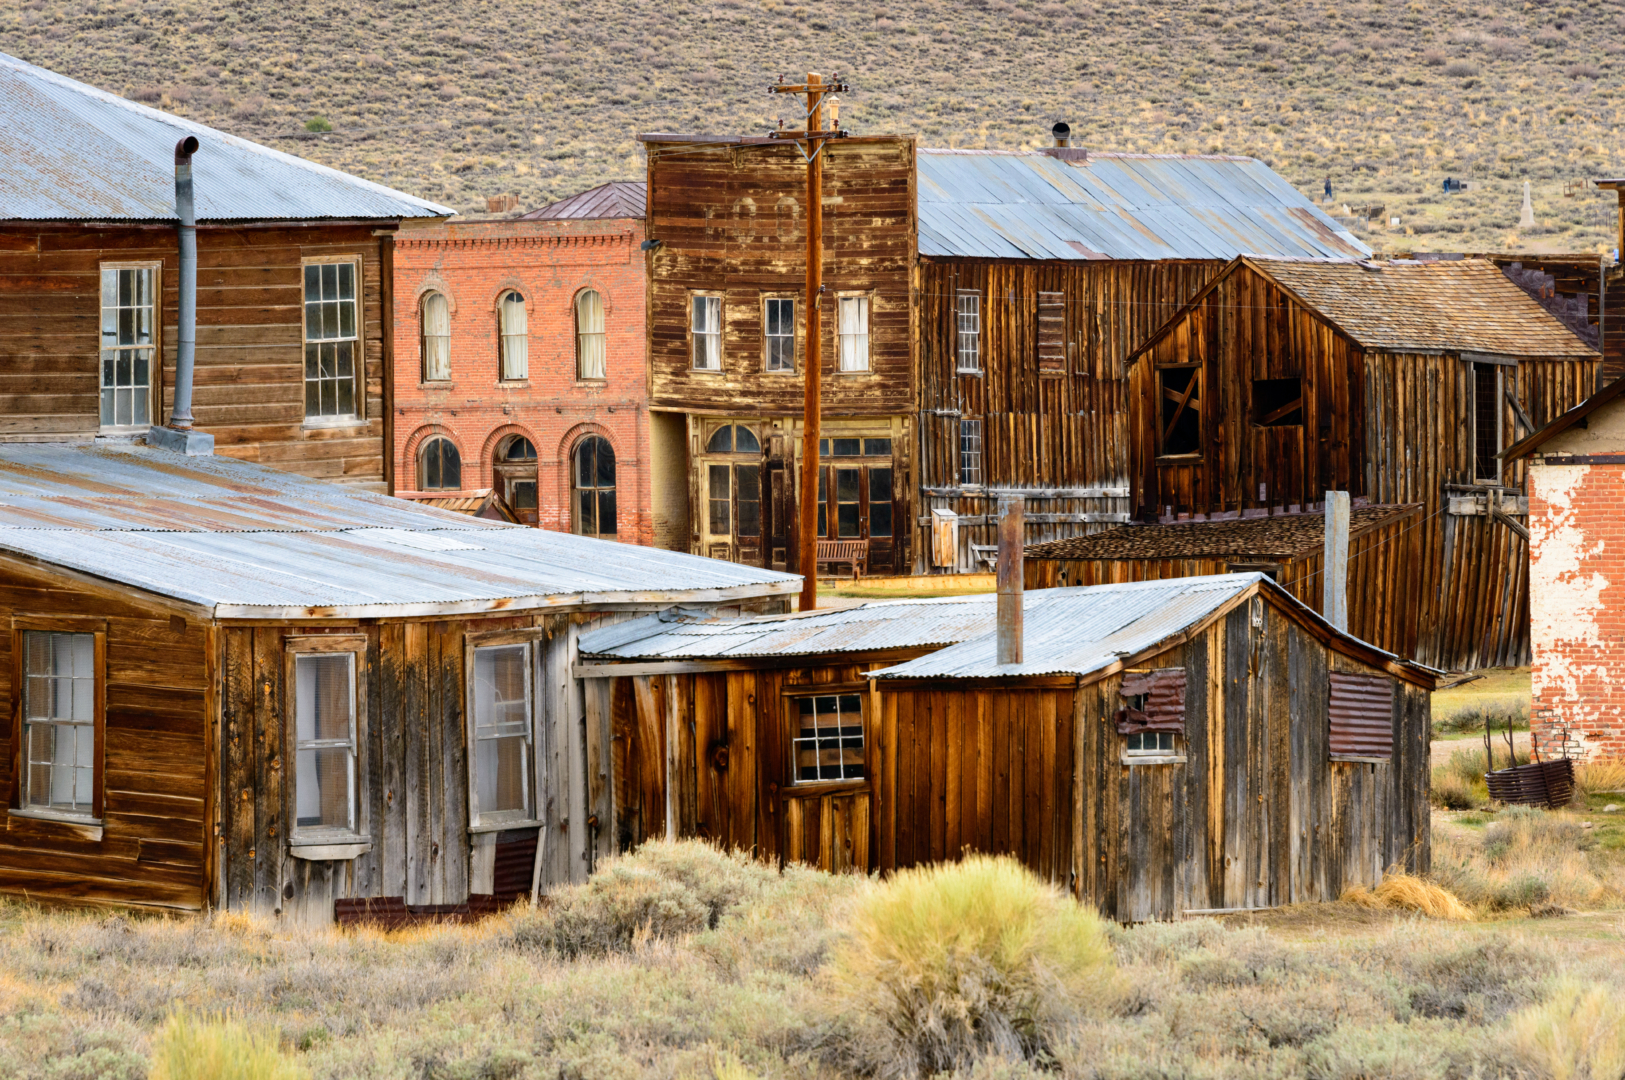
x=1526, y=860
x=1578, y=1033
x=1600, y=777
x=218, y=1048
x=459, y=101
x=1407, y=892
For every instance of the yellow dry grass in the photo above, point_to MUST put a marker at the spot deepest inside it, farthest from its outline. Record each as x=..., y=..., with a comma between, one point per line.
x=1596, y=777
x=1576, y=1034
x=1407, y=892
x=218, y=1048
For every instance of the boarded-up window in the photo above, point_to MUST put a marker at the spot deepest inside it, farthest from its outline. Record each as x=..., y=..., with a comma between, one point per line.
x=1153, y=701
x=1362, y=715
x=1051, y=333
x=1179, y=391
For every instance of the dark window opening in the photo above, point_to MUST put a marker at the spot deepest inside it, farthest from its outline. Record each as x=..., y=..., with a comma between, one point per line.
x=1181, y=395
x=847, y=515
x=595, y=487
x=1486, y=421
x=733, y=440
x=1278, y=402
x=720, y=497
x=879, y=502
x=440, y=468
x=748, y=485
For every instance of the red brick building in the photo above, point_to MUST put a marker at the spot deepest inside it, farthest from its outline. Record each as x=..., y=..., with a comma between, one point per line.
x=1577, y=578
x=519, y=363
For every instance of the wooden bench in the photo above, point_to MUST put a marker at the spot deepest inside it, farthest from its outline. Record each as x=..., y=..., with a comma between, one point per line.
x=854, y=553
x=985, y=553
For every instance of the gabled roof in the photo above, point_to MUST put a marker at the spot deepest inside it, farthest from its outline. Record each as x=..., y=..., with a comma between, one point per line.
x=71, y=152
x=1465, y=305
x=616, y=199
x=244, y=541
x=1279, y=536
x=996, y=204
x=1092, y=630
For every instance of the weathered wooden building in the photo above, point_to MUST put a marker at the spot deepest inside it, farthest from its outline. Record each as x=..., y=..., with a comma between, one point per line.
x=238, y=688
x=294, y=332
x=1384, y=593
x=1166, y=747
x=1399, y=382
x=979, y=308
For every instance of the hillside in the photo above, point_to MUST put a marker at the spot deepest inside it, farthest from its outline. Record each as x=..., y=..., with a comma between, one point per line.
x=460, y=99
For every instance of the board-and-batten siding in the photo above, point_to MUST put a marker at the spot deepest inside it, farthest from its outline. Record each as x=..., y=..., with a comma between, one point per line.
x=249, y=388
x=414, y=772
x=1066, y=430
x=152, y=851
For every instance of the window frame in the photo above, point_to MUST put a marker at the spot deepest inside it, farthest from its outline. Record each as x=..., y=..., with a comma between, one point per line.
x=768, y=299
x=978, y=482
x=1498, y=401
x=498, y=821
x=358, y=416
x=421, y=463
x=960, y=333
x=503, y=378
x=720, y=333
x=602, y=334
x=423, y=336
x=1281, y=414
x=791, y=698
x=1050, y=340
x=86, y=827
x=867, y=297
x=154, y=363
x=1198, y=379
x=326, y=843
x=576, y=489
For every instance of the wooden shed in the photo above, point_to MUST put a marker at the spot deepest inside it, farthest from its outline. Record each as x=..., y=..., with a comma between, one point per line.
x=1384, y=586
x=239, y=688
x=1399, y=382
x=1168, y=746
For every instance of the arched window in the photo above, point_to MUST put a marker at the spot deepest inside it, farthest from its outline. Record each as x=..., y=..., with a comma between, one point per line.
x=436, y=320
x=515, y=473
x=515, y=336
x=733, y=440
x=590, y=359
x=440, y=466
x=595, y=487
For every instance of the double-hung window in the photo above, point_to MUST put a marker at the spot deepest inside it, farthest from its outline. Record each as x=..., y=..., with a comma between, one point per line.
x=502, y=770
x=852, y=330
x=436, y=320
x=706, y=331
x=513, y=327
x=970, y=453
x=779, y=336
x=129, y=347
x=62, y=716
x=968, y=325
x=332, y=340
x=329, y=712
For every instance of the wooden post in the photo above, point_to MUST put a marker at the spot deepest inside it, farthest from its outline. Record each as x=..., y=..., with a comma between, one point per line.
x=1335, y=572
x=1012, y=532
x=814, y=376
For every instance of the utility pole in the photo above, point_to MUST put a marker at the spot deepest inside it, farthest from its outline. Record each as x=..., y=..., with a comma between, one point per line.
x=812, y=141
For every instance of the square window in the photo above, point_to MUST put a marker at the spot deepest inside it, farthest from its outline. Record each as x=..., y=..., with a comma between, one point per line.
x=1278, y=402
x=828, y=741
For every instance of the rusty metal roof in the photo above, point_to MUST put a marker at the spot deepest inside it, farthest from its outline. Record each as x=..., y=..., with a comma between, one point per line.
x=884, y=624
x=1280, y=536
x=248, y=542
x=995, y=204
x=616, y=199
x=1456, y=305
x=71, y=152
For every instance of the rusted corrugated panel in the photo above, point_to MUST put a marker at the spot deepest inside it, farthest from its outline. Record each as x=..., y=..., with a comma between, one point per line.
x=1362, y=715
x=1029, y=205
x=1164, y=693
x=69, y=151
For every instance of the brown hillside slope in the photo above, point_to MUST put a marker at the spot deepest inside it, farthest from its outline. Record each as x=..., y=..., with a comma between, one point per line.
x=459, y=99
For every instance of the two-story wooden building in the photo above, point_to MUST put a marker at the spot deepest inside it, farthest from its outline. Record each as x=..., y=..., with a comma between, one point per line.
x=294, y=311
x=979, y=307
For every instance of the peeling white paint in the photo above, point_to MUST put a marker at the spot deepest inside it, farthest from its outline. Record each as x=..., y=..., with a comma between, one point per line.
x=1565, y=599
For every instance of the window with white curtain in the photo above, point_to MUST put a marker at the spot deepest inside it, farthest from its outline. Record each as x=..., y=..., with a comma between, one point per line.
x=706, y=330
x=59, y=723
x=853, y=332
x=591, y=363
x=436, y=316
x=515, y=336
x=503, y=781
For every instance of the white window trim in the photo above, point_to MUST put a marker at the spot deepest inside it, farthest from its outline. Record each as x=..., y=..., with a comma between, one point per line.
x=156, y=363
x=89, y=825
x=961, y=295
x=795, y=335
x=327, y=842
x=961, y=452
x=792, y=707
x=868, y=367
x=720, y=334
x=502, y=820
x=357, y=418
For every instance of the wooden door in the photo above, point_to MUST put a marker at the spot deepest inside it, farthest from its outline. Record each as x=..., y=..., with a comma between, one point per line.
x=777, y=510
x=825, y=799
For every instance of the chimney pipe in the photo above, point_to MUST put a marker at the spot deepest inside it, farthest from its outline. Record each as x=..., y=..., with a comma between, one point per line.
x=1062, y=132
x=178, y=435
x=1012, y=512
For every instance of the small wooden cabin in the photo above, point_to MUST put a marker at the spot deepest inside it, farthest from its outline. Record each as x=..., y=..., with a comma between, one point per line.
x=237, y=688
x=294, y=329
x=1167, y=747
x=1399, y=382
x=1383, y=584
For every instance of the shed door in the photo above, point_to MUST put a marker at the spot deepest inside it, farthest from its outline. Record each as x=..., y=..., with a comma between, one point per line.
x=825, y=798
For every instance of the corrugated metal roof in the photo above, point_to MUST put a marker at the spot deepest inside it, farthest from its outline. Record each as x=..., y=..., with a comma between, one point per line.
x=885, y=624
x=1079, y=631
x=1455, y=304
x=1029, y=205
x=72, y=152
x=250, y=542
x=616, y=199
x=1279, y=536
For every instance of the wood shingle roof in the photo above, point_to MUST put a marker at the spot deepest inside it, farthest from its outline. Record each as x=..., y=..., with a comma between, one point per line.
x=1281, y=536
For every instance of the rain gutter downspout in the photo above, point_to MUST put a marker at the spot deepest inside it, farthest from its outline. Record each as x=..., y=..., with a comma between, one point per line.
x=178, y=435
